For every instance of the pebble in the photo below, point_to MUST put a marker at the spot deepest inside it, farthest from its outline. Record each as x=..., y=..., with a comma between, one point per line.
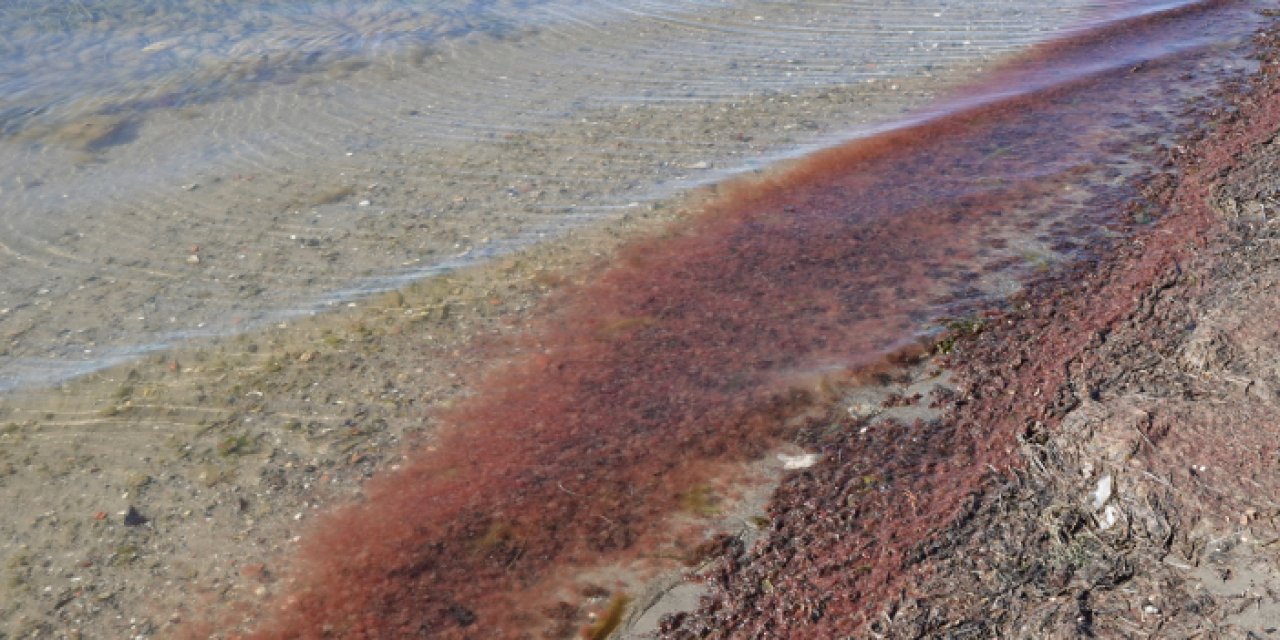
x=136, y=480
x=803, y=461
x=1110, y=516
x=861, y=410
x=133, y=519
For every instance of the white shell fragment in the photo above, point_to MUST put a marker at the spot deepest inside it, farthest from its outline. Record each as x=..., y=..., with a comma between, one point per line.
x=803, y=461
x=1110, y=516
x=1103, y=492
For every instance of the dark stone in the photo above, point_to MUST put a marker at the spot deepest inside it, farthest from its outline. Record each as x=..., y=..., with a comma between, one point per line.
x=133, y=518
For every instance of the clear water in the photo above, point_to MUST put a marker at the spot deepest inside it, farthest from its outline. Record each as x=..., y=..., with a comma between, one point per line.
x=178, y=170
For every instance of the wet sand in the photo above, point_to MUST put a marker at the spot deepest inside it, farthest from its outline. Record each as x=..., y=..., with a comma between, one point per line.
x=258, y=434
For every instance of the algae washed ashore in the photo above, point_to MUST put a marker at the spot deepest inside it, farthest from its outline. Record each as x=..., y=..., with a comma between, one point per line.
x=143, y=495
x=178, y=170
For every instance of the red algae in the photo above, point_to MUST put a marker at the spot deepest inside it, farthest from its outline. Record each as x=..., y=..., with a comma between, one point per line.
x=839, y=553
x=706, y=346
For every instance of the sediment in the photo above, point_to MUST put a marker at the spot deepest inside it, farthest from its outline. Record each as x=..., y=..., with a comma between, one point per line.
x=978, y=523
x=1107, y=466
x=710, y=345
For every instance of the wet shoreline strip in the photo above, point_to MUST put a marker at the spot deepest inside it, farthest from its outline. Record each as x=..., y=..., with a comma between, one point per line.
x=703, y=346
x=843, y=557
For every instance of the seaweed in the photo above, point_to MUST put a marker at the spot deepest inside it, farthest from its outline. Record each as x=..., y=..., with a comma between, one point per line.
x=702, y=347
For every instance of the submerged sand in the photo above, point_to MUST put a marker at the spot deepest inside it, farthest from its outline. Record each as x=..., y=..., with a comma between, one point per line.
x=139, y=222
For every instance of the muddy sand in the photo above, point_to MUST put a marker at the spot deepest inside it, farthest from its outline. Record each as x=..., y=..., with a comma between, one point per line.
x=1095, y=457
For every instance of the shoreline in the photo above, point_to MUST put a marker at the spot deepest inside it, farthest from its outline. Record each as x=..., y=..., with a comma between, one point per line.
x=233, y=465
x=254, y=435
x=699, y=349
x=201, y=220
x=1127, y=409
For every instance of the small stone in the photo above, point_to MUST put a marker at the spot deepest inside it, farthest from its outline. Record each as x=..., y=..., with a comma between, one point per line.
x=133, y=519
x=137, y=480
x=863, y=410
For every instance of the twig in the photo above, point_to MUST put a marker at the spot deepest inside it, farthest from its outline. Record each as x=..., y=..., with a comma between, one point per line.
x=1144, y=437
x=1157, y=478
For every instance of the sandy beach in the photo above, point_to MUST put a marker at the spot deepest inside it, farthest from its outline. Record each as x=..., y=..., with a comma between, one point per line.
x=1115, y=411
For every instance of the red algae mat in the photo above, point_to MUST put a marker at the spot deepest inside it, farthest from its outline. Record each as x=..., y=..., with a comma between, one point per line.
x=697, y=349
x=855, y=550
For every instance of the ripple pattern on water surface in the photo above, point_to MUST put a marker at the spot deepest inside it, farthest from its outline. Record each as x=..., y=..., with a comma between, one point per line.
x=171, y=173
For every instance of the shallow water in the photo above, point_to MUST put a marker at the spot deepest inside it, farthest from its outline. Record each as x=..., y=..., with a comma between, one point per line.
x=698, y=350
x=177, y=170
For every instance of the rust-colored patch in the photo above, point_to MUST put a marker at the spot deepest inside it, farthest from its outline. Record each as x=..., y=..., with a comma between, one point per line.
x=861, y=553
x=712, y=343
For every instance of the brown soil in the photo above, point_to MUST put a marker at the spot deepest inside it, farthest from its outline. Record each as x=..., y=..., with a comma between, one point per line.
x=1127, y=410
